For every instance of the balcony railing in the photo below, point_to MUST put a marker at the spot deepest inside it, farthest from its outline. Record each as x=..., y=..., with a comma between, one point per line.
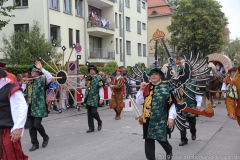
x=101, y=53
x=101, y=23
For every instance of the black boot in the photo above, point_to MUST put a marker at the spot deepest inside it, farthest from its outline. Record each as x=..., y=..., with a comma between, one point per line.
x=34, y=147
x=194, y=136
x=183, y=143
x=90, y=130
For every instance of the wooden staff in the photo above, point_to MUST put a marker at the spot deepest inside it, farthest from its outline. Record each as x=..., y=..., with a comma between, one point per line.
x=49, y=66
x=36, y=78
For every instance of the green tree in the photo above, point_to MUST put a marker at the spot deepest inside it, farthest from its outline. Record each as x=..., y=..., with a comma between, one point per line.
x=24, y=47
x=198, y=25
x=232, y=48
x=112, y=64
x=4, y=11
x=172, y=2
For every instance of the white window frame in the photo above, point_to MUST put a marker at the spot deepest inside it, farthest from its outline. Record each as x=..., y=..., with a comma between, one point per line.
x=69, y=5
x=79, y=10
x=21, y=4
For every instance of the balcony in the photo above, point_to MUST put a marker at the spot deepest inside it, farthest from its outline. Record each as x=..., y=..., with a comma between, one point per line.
x=102, y=3
x=100, y=55
x=100, y=27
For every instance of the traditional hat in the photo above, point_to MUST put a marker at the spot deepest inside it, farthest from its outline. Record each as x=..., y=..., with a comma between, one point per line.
x=178, y=62
x=92, y=67
x=34, y=68
x=155, y=70
x=119, y=69
x=2, y=64
x=232, y=69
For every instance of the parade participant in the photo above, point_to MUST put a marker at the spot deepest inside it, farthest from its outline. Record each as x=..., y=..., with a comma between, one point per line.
x=94, y=85
x=158, y=112
x=19, y=80
x=116, y=101
x=227, y=79
x=194, y=104
x=13, y=115
x=232, y=108
x=236, y=114
x=36, y=91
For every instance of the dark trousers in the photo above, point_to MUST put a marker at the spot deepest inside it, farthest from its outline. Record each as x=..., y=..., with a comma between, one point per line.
x=93, y=113
x=34, y=127
x=150, y=148
x=192, y=123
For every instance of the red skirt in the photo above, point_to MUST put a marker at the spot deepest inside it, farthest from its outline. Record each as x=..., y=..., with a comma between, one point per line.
x=10, y=150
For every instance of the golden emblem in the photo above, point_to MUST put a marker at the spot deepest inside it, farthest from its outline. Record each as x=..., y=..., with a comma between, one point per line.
x=158, y=35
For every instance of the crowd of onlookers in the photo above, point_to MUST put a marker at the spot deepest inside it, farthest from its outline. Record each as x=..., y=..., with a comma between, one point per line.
x=96, y=20
x=54, y=91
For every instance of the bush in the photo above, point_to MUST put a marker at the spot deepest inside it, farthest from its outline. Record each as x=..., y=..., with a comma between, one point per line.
x=21, y=69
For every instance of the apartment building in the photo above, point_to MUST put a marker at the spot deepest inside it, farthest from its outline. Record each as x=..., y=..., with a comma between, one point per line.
x=107, y=30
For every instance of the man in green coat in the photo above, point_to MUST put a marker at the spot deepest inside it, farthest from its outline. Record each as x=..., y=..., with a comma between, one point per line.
x=36, y=99
x=158, y=112
x=93, y=97
x=194, y=104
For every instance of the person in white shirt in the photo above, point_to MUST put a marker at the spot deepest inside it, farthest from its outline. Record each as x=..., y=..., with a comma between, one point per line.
x=36, y=90
x=13, y=115
x=158, y=113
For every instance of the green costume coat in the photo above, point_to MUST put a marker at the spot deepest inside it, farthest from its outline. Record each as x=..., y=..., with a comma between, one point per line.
x=156, y=125
x=37, y=97
x=190, y=103
x=92, y=91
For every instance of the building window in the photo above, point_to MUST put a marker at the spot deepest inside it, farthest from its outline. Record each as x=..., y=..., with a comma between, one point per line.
x=21, y=27
x=120, y=5
x=127, y=3
x=54, y=4
x=116, y=20
x=67, y=6
x=139, y=49
x=21, y=3
x=128, y=47
x=143, y=5
x=55, y=32
x=138, y=27
x=70, y=37
x=154, y=13
x=144, y=26
x=77, y=36
x=79, y=8
x=121, y=53
x=139, y=6
x=116, y=45
x=127, y=24
x=144, y=50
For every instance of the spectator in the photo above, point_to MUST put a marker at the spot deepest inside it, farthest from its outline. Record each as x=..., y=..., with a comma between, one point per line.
x=19, y=80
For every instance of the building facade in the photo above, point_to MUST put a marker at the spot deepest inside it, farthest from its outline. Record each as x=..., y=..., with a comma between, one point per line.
x=159, y=17
x=107, y=30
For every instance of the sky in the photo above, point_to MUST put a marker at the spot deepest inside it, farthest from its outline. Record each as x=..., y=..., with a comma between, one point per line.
x=231, y=9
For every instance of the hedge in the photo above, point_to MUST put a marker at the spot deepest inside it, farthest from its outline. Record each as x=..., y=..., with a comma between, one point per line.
x=20, y=69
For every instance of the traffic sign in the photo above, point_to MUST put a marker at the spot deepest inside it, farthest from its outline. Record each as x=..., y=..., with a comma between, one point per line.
x=78, y=47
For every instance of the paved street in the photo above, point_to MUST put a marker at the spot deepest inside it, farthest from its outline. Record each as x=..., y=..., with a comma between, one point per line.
x=217, y=138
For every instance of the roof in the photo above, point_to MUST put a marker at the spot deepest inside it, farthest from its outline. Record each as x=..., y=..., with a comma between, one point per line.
x=160, y=7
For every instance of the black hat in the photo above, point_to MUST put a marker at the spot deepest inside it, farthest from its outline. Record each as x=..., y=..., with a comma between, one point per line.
x=92, y=67
x=2, y=64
